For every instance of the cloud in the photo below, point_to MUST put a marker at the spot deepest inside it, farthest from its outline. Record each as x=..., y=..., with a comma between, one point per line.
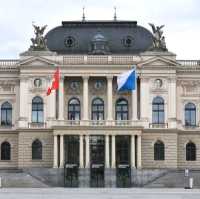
x=181, y=19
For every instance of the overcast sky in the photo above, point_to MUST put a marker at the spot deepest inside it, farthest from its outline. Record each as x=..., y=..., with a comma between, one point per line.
x=180, y=17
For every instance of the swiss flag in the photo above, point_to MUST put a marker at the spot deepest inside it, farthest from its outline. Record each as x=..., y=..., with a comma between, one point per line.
x=55, y=82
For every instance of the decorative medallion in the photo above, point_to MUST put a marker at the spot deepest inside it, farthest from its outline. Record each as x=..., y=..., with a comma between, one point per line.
x=98, y=84
x=158, y=83
x=74, y=85
x=37, y=82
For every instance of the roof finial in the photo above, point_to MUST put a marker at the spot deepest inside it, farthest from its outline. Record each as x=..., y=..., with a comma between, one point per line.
x=115, y=14
x=83, y=17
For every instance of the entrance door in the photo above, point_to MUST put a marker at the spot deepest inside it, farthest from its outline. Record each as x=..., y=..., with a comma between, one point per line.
x=71, y=168
x=97, y=176
x=97, y=157
x=71, y=176
x=123, y=171
x=123, y=176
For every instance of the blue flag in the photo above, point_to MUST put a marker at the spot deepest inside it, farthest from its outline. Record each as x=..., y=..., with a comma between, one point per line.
x=127, y=81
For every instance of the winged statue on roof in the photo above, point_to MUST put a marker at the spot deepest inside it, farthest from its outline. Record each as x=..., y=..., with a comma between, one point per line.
x=39, y=42
x=158, y=38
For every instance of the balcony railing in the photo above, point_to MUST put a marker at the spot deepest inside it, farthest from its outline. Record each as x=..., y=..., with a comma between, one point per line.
x=190, y=126
x=8, y=63
x=97, y=123
x=158, y=125
x=37, y=125
x=6, y=126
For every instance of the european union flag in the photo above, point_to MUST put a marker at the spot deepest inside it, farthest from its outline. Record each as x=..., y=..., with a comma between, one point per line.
x=127, y=81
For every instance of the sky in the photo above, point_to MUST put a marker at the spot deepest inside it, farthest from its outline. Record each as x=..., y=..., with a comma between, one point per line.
x=180, y=17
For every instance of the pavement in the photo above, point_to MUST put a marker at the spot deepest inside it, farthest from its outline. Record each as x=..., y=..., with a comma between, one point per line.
x=100, y=193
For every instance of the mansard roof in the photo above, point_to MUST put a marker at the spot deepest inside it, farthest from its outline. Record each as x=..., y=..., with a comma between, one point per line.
x=75, y=37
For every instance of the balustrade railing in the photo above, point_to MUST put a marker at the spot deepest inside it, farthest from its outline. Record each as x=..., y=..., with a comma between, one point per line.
x=97, y=123
x=189, y=62
x=158, y=125
x=8, y=62
x=100, y=59
x=37, y=125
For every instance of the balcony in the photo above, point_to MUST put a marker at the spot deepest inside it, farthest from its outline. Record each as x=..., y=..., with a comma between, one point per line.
x=97, y=123
x=5, y=127
x=190, y=127
x=158, y=125
x=37, y=125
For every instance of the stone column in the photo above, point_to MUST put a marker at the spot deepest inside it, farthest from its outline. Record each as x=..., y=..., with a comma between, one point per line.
x=144, y=101
x=107, y=154
x=23, y=106
x=139, y=151
x=81, y=151
x=87, y=151
x=61, y=99
x=61, y=151
x=109, y=98
x=171, y=103
x=113, y=152
x=55, y=151
x=134, y=105
x=85, y=98
x=51, y=104
x=133, y=151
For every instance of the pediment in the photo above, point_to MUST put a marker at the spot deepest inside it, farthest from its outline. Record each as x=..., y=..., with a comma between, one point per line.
x=37, y=62
x=159, y=62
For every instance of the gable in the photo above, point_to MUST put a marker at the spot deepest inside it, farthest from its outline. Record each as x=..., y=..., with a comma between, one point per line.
x=37, y=62
x=158, y=62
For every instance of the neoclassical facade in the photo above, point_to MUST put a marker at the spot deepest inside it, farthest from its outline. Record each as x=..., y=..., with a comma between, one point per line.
x=88, y=133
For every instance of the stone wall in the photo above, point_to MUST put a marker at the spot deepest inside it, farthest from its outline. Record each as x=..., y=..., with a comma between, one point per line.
x=183, y=139
x=12, y=138
x=26, y=139
x=170, y=142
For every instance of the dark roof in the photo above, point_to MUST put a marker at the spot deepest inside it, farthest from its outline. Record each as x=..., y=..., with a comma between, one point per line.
x=77, y=37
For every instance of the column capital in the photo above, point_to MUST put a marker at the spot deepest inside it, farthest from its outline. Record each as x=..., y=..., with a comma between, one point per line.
x=109, y=77
x=85, y=77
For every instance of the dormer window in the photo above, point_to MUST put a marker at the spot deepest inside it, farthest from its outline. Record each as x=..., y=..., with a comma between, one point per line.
x=99, y=45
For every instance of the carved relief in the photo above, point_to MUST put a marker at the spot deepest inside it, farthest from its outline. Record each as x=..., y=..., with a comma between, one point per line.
x=189, y=87
x=7, y=86
x=158, y=85
x=36, y=84
x=97, y=86
x=73, y=87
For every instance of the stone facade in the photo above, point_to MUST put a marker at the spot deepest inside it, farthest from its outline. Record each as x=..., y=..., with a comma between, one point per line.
x=160, y=74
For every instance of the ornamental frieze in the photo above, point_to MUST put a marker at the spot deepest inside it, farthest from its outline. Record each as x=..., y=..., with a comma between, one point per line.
x=189, y=87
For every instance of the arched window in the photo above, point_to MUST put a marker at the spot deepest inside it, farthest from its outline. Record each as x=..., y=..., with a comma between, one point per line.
x=97, y=109
x=190, y=114
x=121, y=109
x=37, y=150
x=6, y=114
x=74, y=110
x=158, y=114
x=5, y=151
x=159, y=150
x=190, y=151
x=37, y=110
